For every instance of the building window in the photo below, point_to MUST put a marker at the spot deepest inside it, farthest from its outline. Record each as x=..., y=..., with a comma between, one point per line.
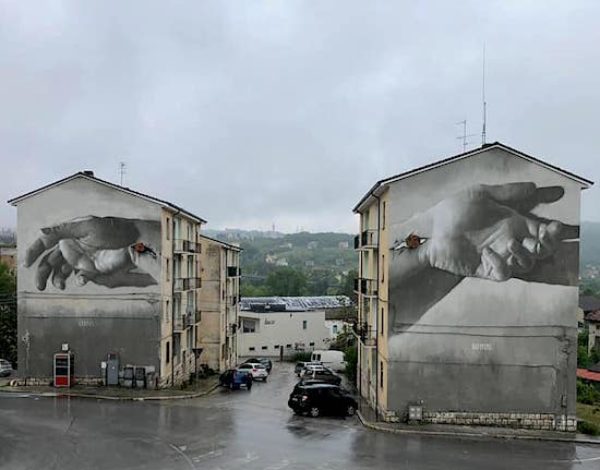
x=334, y=329
x=276, y=346
x=381, y=374
x=248, y=327
x=264, y=348
x=196, y=335
x=383, y=216
x=168, y=352
x=381, y=326
x=304, y=324
x=288, y=346
x=167, y=264
x=311, y=344
x=251, y=348
x=167, y=311
x=382, y=268
x=168, y=228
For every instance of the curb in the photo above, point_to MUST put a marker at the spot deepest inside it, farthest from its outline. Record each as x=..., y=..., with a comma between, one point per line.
x=104, y=397
x=376, y=427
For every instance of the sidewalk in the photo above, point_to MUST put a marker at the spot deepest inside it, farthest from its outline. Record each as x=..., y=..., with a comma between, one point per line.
x=368, y=419
x=200, y=388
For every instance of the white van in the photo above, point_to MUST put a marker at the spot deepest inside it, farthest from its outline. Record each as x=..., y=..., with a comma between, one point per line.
x=332, y=359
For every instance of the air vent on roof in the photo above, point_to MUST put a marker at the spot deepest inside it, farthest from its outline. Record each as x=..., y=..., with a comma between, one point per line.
x=88, y=172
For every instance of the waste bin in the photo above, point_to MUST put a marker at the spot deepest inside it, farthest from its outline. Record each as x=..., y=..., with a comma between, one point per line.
x=128, y=380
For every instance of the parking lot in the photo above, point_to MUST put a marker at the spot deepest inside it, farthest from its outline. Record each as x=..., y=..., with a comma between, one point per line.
x=241, y=429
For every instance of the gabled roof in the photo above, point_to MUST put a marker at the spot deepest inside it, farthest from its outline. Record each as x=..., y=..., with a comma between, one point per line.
x=88, y=175
x=407, y=174
x=588, y=303
x=221, y=242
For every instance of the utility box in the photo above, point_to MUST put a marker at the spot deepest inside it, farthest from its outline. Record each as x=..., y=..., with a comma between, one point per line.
x=128, y=380
x=112, y=369
x=140, y=377
x=64, y=367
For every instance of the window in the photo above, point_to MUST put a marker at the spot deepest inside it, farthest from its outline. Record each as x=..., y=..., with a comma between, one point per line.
x=311, y=344
x=196, y=334
x=304, y=324
x=251, y=348
x=176, y=229
x=382, y=268
x=276, y=346
x=334, y=329
x=288, y=346
x=168, y=352
x=264, y=348
x=168, y=224
x=167, y=311
x=381, y=374
x=383, y=216
x=381, y=325
x=248, y=326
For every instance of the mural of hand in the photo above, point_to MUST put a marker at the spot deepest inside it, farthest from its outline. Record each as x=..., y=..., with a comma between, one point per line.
x=97, y=249
x=489, y=231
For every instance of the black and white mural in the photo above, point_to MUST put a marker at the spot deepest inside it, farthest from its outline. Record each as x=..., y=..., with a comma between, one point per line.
x=106, y=251
x=483, y=286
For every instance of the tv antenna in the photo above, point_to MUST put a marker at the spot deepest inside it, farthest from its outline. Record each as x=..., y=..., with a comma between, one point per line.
x=483, y=129
x=464, y=135
x=122, y=170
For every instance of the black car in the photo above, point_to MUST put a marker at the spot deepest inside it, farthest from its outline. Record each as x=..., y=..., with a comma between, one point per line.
x=234, y=379
x=325, y=375
x=318, y=399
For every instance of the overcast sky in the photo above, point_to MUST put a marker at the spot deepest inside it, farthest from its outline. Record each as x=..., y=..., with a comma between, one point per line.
x=254, y=113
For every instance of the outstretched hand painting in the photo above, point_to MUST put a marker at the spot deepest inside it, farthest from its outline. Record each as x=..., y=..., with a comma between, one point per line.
x=106, y=251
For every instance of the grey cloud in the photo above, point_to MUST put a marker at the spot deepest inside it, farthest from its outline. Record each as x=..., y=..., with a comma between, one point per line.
x=287, y=112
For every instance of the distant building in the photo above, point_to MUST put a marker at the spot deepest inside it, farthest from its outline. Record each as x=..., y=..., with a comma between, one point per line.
x=270, y=259
x=281, y=262
x=268, y=324
x=309, y=263
x=467, y=299
x=343, y=245
x=8, y=256
x=593, y=321
x=312, y=245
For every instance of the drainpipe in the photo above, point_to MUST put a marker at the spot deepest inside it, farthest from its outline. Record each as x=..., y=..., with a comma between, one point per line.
x=376, y=311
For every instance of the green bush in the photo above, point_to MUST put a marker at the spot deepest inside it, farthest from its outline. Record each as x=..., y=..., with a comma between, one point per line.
x=587, y=393
x=302, y=356
x=351, y=356
x=586, y=427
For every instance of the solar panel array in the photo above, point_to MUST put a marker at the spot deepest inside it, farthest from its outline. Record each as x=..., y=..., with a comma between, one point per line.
x=295, y=304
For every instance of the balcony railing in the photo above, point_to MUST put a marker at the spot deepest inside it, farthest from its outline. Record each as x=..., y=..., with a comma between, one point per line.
x=366, y=333
x=366, y=287
x=186, y=283
x=367, y=239
x=185, y=246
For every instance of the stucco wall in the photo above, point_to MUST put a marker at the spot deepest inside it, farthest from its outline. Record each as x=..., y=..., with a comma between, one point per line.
x=482, y=314
x=81, y=282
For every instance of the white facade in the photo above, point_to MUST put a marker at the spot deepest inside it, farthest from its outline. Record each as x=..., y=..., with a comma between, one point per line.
x=263, y=333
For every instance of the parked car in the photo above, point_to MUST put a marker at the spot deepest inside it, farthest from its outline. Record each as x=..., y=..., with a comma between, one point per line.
x=325, y=375
x=234, y=379
x=311, y=367
x=321, y=399
x=330, y=358
x=265, y=361
x=257, y=370
x=5, y=368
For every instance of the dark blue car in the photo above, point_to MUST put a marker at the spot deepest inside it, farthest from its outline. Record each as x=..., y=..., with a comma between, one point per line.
x=234, y=379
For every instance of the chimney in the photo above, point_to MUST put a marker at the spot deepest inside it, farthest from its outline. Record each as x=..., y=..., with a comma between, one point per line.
x=88, y=173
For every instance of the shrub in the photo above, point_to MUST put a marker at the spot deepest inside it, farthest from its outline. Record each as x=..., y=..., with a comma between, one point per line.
x=587, y=393
x=585, y=427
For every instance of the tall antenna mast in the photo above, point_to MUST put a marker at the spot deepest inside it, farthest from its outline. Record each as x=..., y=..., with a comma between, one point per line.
x=122, y=170
x=483, y=130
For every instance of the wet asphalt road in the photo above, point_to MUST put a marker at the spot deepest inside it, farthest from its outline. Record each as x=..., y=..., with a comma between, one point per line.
x=241, y=430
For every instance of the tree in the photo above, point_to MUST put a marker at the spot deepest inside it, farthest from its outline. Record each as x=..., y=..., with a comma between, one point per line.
x=8, y=314
x=286, y=281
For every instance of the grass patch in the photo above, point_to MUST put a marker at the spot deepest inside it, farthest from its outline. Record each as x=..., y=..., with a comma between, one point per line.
x=588, y=417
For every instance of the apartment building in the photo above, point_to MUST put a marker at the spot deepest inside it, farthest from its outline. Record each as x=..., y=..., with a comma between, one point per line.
x=104, y=269
x=218, y=308
x=467, y=292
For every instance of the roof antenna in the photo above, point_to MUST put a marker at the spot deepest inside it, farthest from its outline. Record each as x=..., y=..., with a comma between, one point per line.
x=483, y=99
x=122, y=170
x=464, y=135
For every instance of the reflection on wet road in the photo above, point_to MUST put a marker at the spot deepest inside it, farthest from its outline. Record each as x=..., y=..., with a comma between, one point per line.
x=242, y=430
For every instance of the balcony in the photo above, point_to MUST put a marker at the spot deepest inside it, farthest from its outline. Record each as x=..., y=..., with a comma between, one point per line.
x=366, y=333
x=367, y=240
x=234, y=271
x=185, y=246
x=186, y=283
x=366, y=287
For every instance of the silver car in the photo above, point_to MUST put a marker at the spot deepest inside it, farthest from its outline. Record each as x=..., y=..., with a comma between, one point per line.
x=5, y=368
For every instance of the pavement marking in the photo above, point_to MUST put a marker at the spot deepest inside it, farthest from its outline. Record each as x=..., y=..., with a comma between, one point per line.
x=180, y=452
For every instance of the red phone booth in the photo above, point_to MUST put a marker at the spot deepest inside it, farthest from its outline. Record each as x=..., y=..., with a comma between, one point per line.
x=64, y=367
